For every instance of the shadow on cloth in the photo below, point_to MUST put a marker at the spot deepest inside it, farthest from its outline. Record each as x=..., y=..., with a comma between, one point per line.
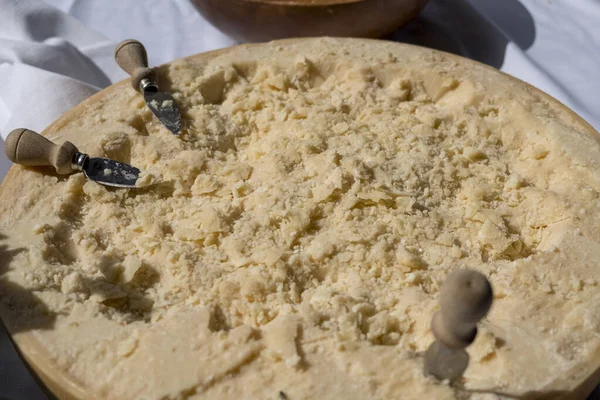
x=58, y=55
x=455, y=26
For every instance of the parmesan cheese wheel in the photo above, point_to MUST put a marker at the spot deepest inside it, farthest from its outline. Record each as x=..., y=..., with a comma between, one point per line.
x=292, y=241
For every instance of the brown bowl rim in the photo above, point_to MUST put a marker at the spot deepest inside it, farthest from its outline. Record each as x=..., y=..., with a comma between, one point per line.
x=305, y=3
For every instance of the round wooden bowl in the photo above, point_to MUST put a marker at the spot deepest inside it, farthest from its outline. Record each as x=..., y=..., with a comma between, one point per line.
x=60, y=382
x=264, y=20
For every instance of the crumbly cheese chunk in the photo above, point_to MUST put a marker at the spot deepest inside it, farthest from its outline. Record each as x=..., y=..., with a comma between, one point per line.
x=295, y=235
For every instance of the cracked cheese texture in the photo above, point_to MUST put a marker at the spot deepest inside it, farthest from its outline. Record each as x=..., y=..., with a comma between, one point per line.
x=295, y=236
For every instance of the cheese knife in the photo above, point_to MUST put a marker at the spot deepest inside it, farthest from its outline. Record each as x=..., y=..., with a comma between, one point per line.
x=133, y=59
x=28, y=148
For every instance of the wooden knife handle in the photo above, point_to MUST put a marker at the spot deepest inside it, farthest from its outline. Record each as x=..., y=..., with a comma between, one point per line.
x=28, y=148
x=133, y=59
x=465, y=298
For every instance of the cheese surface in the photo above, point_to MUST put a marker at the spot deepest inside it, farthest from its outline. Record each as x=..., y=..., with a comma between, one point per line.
x=294, y=237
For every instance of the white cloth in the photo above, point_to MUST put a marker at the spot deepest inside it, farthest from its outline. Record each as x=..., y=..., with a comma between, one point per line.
x=54, y=54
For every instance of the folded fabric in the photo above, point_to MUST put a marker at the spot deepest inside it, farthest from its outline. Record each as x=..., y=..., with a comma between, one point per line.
x=42, y=95
x=44, y=67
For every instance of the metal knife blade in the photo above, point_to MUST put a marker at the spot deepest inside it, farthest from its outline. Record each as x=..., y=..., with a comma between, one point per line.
x=111, y=173
x=164, y=106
